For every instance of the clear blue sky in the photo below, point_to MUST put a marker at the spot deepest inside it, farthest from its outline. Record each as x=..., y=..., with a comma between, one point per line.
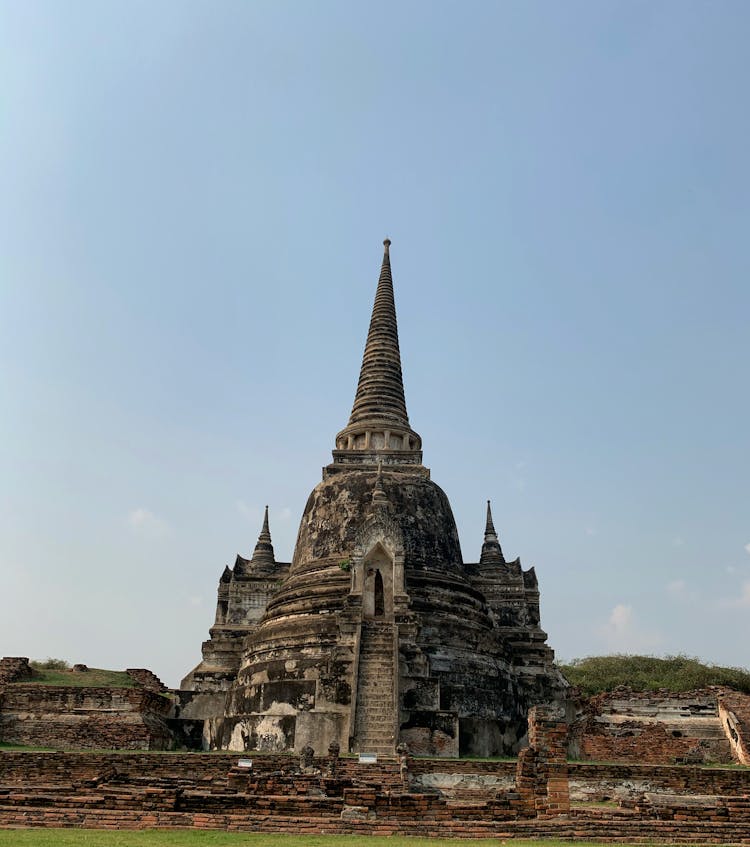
x=193, y=198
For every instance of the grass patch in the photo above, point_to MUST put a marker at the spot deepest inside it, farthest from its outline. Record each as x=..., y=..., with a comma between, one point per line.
x=92, y=678
x=204, y=838
x=28, y=749
x=596, y=674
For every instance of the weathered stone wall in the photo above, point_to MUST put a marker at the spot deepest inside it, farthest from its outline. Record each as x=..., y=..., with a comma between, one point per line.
x=459, y=781
x=734, y=713
x=655, y=727
x=193, y=790
x=147, y=679
x=542, y=771
x=602, y=827
x=604, y=782
x=33, y=767
x=62, y=716
x=15, y=669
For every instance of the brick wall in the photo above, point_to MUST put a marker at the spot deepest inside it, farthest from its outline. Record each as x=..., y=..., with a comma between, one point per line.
x=146, y=679
x=33, y=768
x=14, y=669
x=94, y=718
x=734, y=712
x=542, y=770
x=678, y=779
x=659, y=727
x=139, y=790
x=604, y=827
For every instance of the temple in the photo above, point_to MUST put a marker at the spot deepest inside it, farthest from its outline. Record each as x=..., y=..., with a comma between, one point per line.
x=377, y=633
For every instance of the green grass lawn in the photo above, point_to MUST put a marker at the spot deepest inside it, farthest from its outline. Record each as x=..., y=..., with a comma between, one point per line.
x=195, y=838
x=26, y=748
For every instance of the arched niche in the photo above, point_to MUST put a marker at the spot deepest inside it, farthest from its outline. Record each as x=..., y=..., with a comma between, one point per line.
x=378, y=560
x=377, y=588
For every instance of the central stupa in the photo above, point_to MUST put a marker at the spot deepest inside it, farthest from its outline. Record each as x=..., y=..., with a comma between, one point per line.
x=377, y=633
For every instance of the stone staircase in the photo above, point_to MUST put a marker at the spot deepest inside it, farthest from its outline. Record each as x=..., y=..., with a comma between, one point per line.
x=376, y=709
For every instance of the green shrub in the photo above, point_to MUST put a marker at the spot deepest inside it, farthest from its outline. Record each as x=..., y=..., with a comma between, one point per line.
x=51, y=665
x=595, y=674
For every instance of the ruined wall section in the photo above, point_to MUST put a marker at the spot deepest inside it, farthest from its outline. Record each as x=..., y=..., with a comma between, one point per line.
x=15, y=669
x=734, y=713
x=84, y=718
x=651, y=727
x=542, y=769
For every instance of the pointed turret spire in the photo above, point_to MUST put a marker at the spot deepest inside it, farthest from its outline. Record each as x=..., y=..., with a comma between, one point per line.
x=379, y=422
x=492, y=553
x=489, y=529
x=380, y=391
x=263, y=553
x=265, y=532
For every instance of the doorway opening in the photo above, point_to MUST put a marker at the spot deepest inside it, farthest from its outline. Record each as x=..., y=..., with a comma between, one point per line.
x=379, y=596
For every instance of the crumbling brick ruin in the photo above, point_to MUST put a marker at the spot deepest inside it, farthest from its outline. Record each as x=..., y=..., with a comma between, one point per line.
x=662, y=727
x=14, y=669
x=542, y=772
x=540, y=796
x=83, y=717
x=377, y=633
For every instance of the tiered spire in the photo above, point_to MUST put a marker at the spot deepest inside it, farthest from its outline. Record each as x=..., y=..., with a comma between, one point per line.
x=380, y=391
x=379, y=422
x=492, y=553
x=263, y=553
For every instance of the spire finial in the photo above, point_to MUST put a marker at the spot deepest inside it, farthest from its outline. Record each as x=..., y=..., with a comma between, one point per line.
x=489, y=529
x=263, y=553
x=387, y=245
x=265, y=532
x=492, y=553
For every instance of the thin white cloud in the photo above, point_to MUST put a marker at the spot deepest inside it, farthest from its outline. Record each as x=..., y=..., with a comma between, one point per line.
x=678, y=590
x=678, y=541
x=621, y=617
x=623, y=632
x=143, y=522
x=747, y=547
x=195, y=601
x=590, y=530
x=742, y=599
x=520, y=483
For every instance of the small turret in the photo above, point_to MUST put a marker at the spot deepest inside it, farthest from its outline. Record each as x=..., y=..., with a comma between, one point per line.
x=492, y=553
x=263, y=555
x=263, y=559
